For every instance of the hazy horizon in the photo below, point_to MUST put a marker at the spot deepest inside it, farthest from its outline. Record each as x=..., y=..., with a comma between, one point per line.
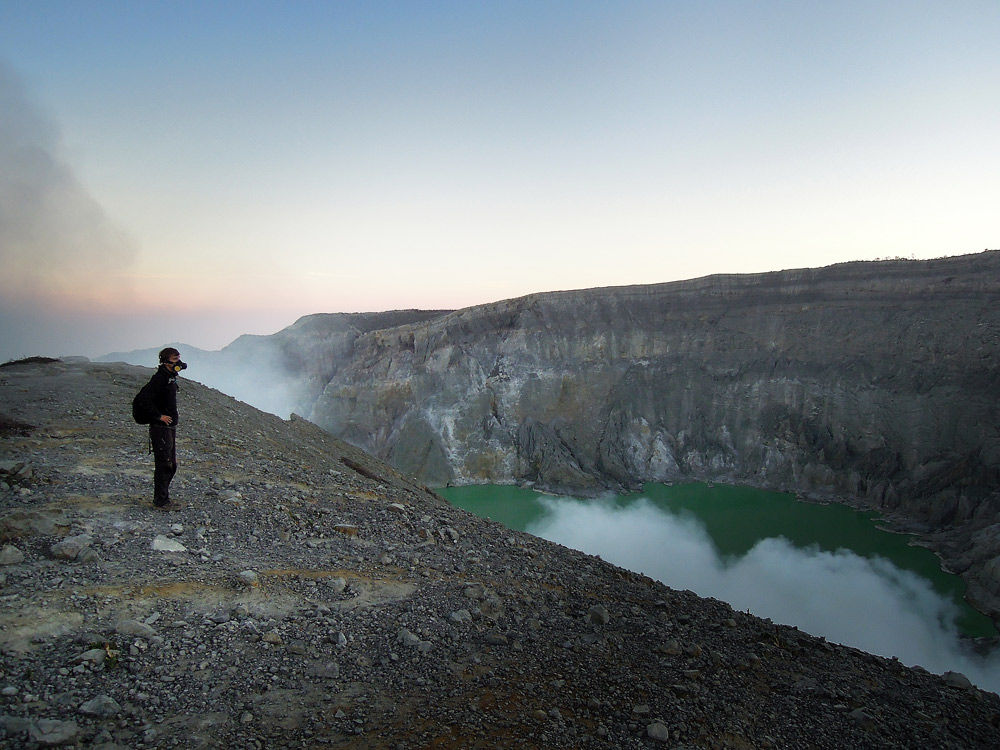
x=196, y=171
x=21, y=339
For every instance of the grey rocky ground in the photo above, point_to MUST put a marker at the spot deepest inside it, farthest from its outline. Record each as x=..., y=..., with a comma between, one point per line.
x=306, y=595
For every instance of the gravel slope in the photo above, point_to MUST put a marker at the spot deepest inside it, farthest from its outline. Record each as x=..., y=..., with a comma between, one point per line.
x=316, y=598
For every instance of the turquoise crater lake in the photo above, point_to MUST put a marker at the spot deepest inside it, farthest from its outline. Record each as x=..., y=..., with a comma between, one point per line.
x=761, y=551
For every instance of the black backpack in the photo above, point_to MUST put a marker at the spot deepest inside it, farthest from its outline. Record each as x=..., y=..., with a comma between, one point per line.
x=140, y=407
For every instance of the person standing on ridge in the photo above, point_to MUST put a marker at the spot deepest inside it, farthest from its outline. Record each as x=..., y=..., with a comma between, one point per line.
x=158, y=399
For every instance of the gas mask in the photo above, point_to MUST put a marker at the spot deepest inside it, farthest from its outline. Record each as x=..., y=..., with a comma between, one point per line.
x=176, y=366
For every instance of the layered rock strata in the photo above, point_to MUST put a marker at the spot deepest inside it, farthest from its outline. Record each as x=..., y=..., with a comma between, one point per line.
x=872, y=383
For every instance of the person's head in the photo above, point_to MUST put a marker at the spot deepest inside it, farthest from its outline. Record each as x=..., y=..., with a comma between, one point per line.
x=172, y=358
x=169, y=355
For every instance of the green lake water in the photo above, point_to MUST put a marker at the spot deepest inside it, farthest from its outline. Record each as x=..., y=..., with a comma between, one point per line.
x=737, y=518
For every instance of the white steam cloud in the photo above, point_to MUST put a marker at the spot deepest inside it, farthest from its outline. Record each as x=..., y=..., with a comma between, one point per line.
x=260, y=382
x=251, y=373
x=55, y=238
x=848, y=599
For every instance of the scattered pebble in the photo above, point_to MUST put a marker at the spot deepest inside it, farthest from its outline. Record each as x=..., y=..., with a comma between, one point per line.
x=323, y=601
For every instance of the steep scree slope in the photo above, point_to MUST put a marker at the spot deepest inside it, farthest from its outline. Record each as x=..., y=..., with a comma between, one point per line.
x=307, y=595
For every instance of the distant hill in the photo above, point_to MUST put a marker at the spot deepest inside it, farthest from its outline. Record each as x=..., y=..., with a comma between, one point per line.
x=148, y=357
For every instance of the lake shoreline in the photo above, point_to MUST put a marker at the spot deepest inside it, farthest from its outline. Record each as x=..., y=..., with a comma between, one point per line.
x=879, y=521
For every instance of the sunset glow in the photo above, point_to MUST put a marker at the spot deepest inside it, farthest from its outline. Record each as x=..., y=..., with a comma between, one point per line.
x=220, y=168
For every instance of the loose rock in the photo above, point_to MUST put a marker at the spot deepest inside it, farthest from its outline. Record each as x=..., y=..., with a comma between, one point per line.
x=280, y=630
x=11, y=555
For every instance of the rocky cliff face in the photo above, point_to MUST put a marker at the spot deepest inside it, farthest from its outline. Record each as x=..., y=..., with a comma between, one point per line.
x=283, y=373
x=876, y=384
x=304, y=594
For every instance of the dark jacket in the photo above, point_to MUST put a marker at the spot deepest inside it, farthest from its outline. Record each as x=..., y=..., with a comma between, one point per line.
x=159, y=397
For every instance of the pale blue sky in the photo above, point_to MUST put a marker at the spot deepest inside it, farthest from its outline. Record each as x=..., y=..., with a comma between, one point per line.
x=191, y=171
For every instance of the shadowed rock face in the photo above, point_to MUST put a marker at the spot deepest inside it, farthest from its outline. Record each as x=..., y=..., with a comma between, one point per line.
x=873, y=383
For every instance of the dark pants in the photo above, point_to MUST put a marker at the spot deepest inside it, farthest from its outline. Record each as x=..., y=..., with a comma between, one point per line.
x=162, y=439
